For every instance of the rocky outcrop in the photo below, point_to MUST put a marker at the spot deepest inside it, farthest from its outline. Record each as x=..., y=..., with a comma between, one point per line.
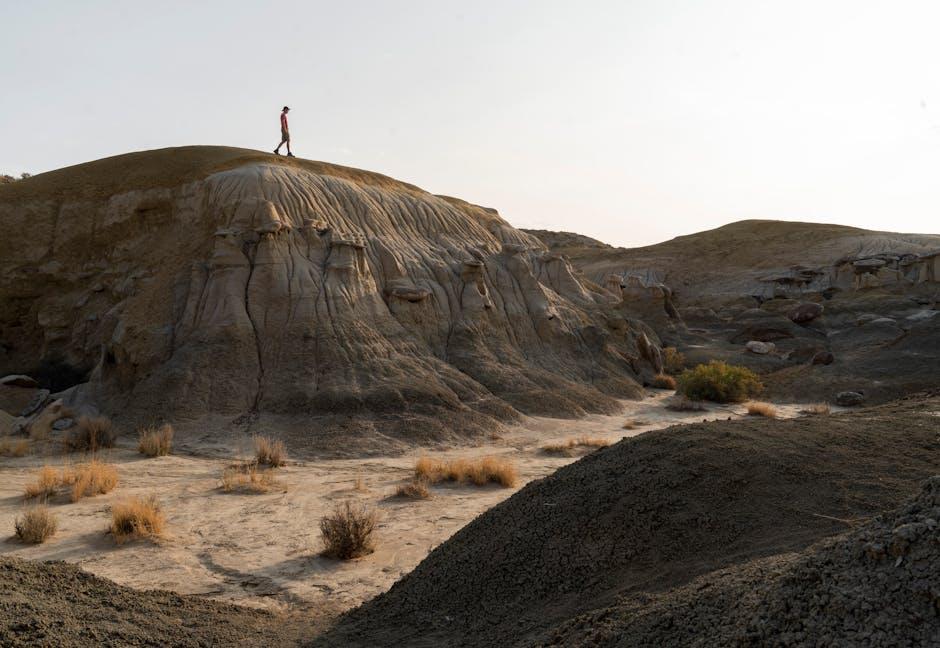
x=284, y=288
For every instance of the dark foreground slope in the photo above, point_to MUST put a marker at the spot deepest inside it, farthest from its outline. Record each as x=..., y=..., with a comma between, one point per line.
x=649, y=514
x=57, y=604
x=876, y=586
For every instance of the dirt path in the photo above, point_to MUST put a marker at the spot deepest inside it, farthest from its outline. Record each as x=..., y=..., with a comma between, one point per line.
x=261, y=550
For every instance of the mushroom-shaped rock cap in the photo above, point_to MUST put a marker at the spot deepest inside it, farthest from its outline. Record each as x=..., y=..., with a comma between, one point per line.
x=18, y=380
x=267, y=220
x=411, y=294
x=514, y=248
x=869, y=263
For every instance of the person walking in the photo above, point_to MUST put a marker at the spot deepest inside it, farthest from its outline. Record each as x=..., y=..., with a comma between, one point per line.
x=285, y=134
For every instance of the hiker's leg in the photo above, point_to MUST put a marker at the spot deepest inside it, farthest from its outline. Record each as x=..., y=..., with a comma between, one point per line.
x=287, y=141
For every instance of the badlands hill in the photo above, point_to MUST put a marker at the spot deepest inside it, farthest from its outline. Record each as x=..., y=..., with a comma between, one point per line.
x=184, y=281
x=759, y=258
x=818, y=309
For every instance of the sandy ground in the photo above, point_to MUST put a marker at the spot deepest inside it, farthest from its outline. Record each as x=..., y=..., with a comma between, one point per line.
x=262, y=549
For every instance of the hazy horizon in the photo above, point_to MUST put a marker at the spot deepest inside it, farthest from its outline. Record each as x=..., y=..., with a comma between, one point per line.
x=631, y=123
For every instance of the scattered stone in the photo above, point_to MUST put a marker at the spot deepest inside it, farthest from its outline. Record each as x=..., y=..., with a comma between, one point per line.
x=850, y=398
x=18, y=380
x=805, y=312
x=823, y=358
x=761, y=348
x=923, y=315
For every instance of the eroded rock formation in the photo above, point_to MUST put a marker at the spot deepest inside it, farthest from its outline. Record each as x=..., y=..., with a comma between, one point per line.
x=300, y=290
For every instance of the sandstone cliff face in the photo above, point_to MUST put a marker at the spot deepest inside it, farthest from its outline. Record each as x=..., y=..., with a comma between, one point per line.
x=284, y=288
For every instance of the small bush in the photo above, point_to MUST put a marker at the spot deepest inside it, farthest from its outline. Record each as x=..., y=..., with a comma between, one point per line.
x=758, y=408
x=819, y=409
x=91, y=434
x=476, y=471
x=415, y=489
x=633, y=424
x=10, y=447
x=93, y=478
x=569, y=446
x=136, y=517
x=673, y=361
x=247, y=476
x=720, y=382
x=156, y=441
x=36, y=525
x=664, y=381
x=348, y=532
x=270, y=452
x=683, y=404
x=46, y=484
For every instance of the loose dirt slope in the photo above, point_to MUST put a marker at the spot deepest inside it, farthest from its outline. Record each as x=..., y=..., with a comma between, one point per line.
x=207, y=279
x=56, y=604
x=650, y=513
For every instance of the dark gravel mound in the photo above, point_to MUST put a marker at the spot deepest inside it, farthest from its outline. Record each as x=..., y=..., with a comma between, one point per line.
x=650, y=514
x=57, y=604
x=877, y=586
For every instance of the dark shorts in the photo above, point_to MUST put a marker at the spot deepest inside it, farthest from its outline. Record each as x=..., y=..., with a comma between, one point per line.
x=285, y=136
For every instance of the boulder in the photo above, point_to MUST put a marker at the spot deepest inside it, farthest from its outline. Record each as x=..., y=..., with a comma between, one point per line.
x=18, y=380
x=850, y=398
x=804, y=353
x=63, y=424
x=760, y=348
x=805, y=312
x=14, y=399
x=823, y=358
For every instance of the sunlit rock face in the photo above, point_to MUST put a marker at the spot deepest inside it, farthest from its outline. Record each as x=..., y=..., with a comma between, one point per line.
x=305, y=290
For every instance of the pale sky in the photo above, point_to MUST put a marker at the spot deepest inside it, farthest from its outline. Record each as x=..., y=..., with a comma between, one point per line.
x=631, y=122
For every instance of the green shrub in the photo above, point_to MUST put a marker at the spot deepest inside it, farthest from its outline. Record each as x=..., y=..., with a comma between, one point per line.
x=720, y=382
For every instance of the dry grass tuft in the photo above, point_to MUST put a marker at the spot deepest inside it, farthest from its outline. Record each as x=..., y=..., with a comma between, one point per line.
x=35, y=525
x=568, y=447
x=819, y=409
x=46, y=484
x=759, y=408
x=633, y=424
x=415, y=489
x=246, y=476
x=360, y=485
x=88, y=480
x=156, y=441
x=663, y=381
x=683, y=404
x=476, y=471
x=11, y=447
x=136, y=517
x=673, y=361
x=90, y=434
x=348, y=532
x=270, y=452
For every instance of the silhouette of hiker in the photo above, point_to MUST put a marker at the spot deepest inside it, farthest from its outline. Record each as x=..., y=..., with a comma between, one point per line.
x=285, y=134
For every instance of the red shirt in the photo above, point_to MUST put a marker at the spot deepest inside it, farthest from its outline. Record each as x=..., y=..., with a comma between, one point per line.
x=284, y=121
